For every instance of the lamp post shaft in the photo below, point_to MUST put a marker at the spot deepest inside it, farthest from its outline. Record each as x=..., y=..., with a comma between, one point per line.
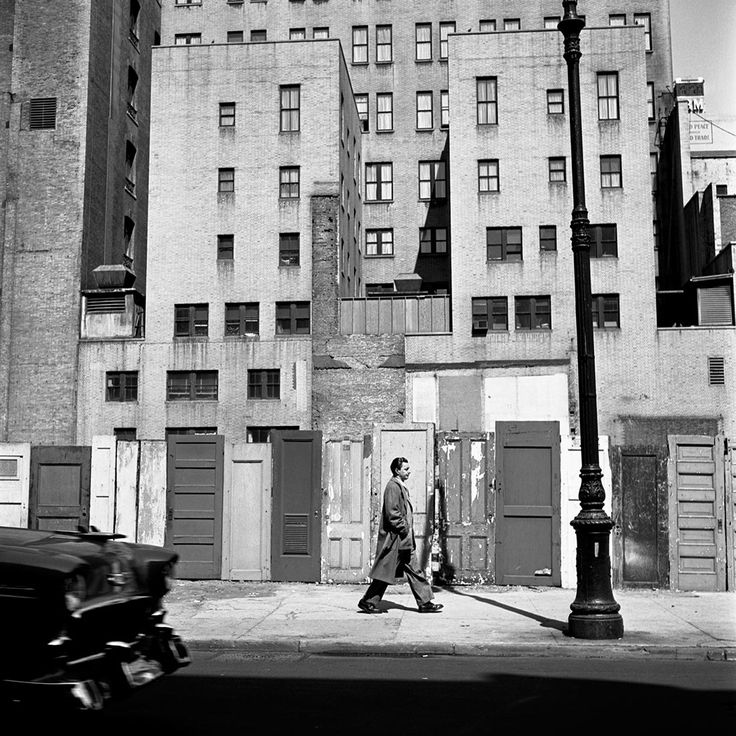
x=595, y=613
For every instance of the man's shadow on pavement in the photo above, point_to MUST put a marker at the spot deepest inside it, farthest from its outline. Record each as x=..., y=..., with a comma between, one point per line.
x=549, y=623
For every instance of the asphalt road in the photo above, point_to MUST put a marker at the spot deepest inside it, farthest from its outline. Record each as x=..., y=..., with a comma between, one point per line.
x=229, y=693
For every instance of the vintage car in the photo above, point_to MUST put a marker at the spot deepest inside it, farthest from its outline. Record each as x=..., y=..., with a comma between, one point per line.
x=82, y=617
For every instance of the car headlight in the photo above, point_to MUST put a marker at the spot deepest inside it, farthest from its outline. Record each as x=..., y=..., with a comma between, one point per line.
x=74, y=593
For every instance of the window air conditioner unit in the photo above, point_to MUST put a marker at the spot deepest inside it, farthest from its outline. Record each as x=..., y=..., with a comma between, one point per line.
x=480, y=324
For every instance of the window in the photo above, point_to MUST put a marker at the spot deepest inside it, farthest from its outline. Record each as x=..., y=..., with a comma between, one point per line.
x=487, y=106
x=128, y=242
x=512, y=24
x=227, y=114
x=607, y=95
x=290, y=96
x=423, y=36
x=241, y=319
x=124, y=434
x=292, y=318
x=258, y=35
x=262, y=434
x=121, y=386
x=425, y=116
x=557, y=169
x=191, y=385
x=555, y=102
x=721, y=189
x=433, y=241
x=645, y=20
x=297, y=34
x=189, y=431
x=360, y=44
x=135, y=12
x=653, y=170
x=235, y=36
x=445, y=30
x=322, y=32
x=605, y=311
x=385, y=111
x=533, y=312
x=650, y=101
x=379, y=242
x=186, y=39
x=716, y=370
x=132, y=87
x=130, y=154
x=289, y=182
x=548, y=237
x=432, y=180
x=489, y=313
x=444, y=108
x=225, y=247
x=551, y=21
x=503, y=243
x=264, y=384
x=611, y=172
x=384, y=44
x=361, y=103
x=603, y=241
x=617, y=20
x=488, y=180
x=226, y=180
x=379, y=184
x=191, y=320
x=288, y=249
x=487, y=26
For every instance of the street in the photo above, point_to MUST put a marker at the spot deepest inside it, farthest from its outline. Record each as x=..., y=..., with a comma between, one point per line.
x=460, y=695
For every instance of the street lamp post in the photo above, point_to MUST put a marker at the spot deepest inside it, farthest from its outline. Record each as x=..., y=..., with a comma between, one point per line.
x=595, y=613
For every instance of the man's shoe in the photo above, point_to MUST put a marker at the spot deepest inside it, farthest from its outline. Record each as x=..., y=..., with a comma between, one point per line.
x=367, y=606
x=430, y=607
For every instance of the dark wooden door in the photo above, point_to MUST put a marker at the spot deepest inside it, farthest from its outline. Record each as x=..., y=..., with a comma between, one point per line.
x=467, y=503
x=59, y=493
x=528, y=503
x=194, y=504
x=297, y=506
x=639, y=513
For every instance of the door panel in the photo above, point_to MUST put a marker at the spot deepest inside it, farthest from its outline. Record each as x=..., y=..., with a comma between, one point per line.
x=297, y=506
x=60, y=487
x=466, y=462
x=15, y=469
x=194, y=504
x=697, y=548
x=730, y=503
x=528, y=503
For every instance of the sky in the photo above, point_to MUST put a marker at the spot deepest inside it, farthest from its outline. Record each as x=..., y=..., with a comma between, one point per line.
x=704, y=45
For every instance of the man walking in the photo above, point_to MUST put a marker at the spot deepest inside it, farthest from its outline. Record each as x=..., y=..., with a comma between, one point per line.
x=396, y=549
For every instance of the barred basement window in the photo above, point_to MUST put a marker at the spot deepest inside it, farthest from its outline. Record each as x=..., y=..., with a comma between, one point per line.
x=716, y=371
x=42, y=113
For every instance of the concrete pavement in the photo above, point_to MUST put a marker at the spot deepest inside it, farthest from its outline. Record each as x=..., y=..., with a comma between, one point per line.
x=476, y=620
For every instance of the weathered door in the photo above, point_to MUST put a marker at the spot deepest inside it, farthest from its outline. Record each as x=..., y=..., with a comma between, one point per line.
x=696, y=513
x=528, y=503
x=347, y=532
x=15, y=469
x=102, y=483
x=296, y=527
x=194, y=504
x=638, y=510
x=730, y=501
x=60, y=487
x=466, y=506
x=415, y=442
x=247, y=518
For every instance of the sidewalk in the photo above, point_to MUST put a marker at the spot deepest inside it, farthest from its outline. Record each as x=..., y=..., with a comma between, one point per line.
x=476, y=620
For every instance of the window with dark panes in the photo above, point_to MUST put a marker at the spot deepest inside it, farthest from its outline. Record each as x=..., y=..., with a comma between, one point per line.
x=512, y=24
x=186, y=39
x=292, y=318
x=130, y=166
x=533, y=312
x=290, y=108
x=360, y=44
x=555, y=102
x=264, y=384
x=603, y=241
x=191, y=320
x=503, y=243
x=488, y=180
x=289, y=182
x=489, y=313
x=432, y=180
x=379, y=182
x=258, y=35
x=241, y=318
x=486, y=100
x=547, y=237
x=384, y=44
x=423, y=36
x=226, y=181
x=121, y=386
x=288, y=249
x=132, y=87
x=446, y=28
x=225, y=247
x=605, y=311
x=384, y=111
x=611, y=172
x=235, y=36
x=191, y=385
x=433, y=241
x=379, y=242
x=608, y=96
x=263, y=434
x=227, y=114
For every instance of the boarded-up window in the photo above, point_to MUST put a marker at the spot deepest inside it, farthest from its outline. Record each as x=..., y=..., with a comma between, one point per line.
x=42, y=113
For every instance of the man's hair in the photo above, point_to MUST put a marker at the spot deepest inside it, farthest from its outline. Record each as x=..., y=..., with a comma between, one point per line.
x=396, y=463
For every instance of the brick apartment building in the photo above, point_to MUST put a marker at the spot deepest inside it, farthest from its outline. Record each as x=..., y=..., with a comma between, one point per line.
x=358, y=235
